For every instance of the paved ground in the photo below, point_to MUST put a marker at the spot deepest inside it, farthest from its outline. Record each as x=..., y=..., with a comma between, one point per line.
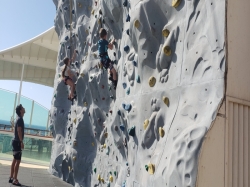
x=30, y=176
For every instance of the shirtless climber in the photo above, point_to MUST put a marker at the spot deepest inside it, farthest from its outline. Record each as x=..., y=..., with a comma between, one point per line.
x=103, y=47
x=68, y=75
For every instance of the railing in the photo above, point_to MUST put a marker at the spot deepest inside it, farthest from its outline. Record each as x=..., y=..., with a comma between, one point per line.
x=36, y=116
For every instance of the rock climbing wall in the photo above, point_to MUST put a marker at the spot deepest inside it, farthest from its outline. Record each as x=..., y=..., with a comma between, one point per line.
x=170, y=59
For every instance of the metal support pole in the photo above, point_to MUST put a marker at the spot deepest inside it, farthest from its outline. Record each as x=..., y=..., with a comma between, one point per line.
x=47, y=124
x=20, y=88
x=14, y=109
x=32, y=108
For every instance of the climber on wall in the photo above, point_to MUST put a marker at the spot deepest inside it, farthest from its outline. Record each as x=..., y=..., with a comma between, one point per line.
x=103, y=46
x=68, y=75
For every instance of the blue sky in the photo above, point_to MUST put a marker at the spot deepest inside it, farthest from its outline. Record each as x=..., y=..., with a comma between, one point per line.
x=21, y=21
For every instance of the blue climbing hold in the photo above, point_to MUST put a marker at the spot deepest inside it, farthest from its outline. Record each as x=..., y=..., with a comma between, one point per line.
x=131, y=131
x=76, y=63
x=126, y=163
x=127, y=107
x=128, y=18
x=66, y=38
x=128, y=91
x=68, y=47
x=126, y=48
x=73, y=11
x=125, y=3
x=138, y=79
x=122, y=127
x=119, y=112
x=134, y=62
x=73, y=35
x=65, y=8
x=124, y=184
x=127, y=31
x=124, y=85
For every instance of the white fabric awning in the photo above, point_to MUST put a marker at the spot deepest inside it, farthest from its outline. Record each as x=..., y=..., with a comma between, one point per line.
x=39, y=55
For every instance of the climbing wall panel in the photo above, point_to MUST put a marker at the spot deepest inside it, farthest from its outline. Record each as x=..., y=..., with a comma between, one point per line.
x=170, y=60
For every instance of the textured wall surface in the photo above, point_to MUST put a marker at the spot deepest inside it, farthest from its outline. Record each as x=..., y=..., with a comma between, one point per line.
x=148, y=132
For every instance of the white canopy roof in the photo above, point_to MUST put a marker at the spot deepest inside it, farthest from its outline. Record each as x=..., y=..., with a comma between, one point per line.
x=39, y=56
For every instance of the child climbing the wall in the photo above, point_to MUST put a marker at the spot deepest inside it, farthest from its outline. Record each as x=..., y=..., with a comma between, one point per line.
x=103, y=46
x=68, y=75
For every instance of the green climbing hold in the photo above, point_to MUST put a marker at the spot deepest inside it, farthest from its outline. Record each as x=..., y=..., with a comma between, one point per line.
x=59, y=75
x=146, y=167
x=91, y=77
x=55, y=96
x=131, y=131
x=95, y=170
x=110, y=173
x=115, y=173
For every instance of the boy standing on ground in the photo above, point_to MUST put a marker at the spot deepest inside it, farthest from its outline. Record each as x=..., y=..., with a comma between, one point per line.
x=103, y=47
x=17, y=145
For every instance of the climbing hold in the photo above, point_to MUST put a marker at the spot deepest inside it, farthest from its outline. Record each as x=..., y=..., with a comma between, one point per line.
x=167, y=50
x=102, y=180
x=66, y=38
x=165, y=100
x=161, y=132
x=119, y=112
x=104, y=146
x=137, y=23
x=82, y=75
x=105, y=134
x=127, y=31
x=65, y=8
x=74, y=121
x=82, y=61
x=128, y=18
x=95, y=170
x=146, y=167
x=115, y=173
x=93, y=12
x=125, y=3
x=122, y=127
x=131, y=131
x=55, y=96
x=107, y=151
x=127, y=107
x=151, y=168
x=145, y=124
x=112, y=97
x=85, y=104
x=87, y=32
x=73, y=11
x=116, y=128
x=93, y=144
x=138, y=79
x=124, y=85
x=134, y=62
x=126, y=163
x=98, y=177
x=99, y=21
x=69, y=168
x=128, y=91
x=165, y=32
x=75, y=142
x=151, y=81
x=79, y=5
x=176, y=3
x=111, y=178
x=68, y=47
x=74, y=158
x=126, y=48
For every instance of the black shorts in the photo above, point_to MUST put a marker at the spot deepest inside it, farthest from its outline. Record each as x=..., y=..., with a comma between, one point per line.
x=107, y=63
x=16, y=148
x=66, y=78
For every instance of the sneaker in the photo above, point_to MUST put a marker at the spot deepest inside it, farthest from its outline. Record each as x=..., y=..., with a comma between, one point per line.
x=16, y=183
x=10, y=180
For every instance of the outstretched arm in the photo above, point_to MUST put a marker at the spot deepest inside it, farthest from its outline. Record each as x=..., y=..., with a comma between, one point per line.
x=74, y=56
x=110, y=46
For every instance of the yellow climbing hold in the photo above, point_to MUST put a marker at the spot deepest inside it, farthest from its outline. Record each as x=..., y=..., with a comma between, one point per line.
x=82, y=61
x=111, y=178
x=161, y=132
x=85, y=104
x=82, y=75
x=93, y=12
x=105, y=134
x=137, y=23
x=87, y=32
x=102, y=180
x=151, y=81
x=75, y=120
x=165, y=32
x=79, y=4
x=176, y=3
x=145, y=125
x=165, y=100
x=167, y=50
x=74, y=158
x=99, y=177
x=151, y=168
x=93, y=144
x=104, y=146
x=75, y=142
x=99, y=21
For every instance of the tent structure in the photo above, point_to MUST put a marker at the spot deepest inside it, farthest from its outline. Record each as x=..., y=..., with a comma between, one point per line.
x=32, y=61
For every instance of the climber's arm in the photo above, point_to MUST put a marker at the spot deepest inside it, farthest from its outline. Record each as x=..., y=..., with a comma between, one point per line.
x=110, y=46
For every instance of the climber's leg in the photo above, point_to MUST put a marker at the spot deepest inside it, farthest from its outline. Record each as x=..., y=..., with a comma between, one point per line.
x=72, y=88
